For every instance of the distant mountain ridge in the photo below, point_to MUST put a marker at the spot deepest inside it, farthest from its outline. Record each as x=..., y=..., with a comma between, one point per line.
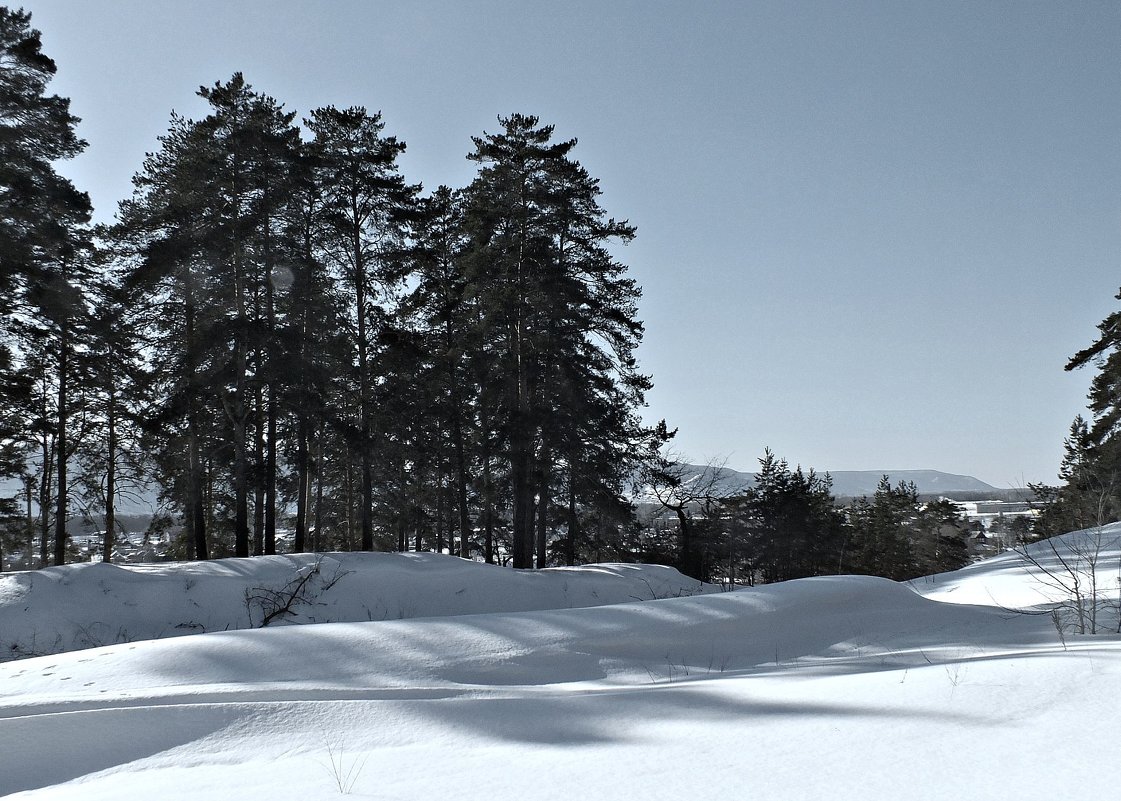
x=926, y=481
x=855, y=483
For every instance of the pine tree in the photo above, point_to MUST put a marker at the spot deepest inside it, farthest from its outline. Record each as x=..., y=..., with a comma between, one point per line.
x=39, y=209
x=883, y=532
x=251, y=144
x=1091, y=469
x=166, y=281
x=42, y=219
x=59, y=327
x=311, y=336
x=204, y=224
x=784, y=527
x=111, y=460
x=1105, y=389
x=1089, y=493
x=443, y=312
x=897, y=536
x=558, y=316
x=365, y=201
x=941, y=538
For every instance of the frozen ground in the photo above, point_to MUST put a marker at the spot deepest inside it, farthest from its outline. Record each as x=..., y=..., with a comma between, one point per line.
x=844, y=687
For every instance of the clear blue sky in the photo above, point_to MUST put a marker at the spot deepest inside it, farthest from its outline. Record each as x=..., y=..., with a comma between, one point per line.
x=869, y=233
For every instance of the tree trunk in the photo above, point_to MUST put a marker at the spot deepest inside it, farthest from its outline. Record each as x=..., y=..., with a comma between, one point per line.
x=461, y=493
x=29, y=551
x=573, y=522
x=542, y=514
x=523, y=508
x=241, y=474
x=196, y=482
x=62, y=443
x=270, y=372
x=440, y=511
x=270, y=475
x=488, y=519
x=457, y=442
x=318, y=542
x=488, y=486
x=238, y=410
x=366, y=512
x=348, y=496
x=258, y=469
x=521, y=436
x=238, y=413
x=110, y=480
x=45, y=485
x=303, y=479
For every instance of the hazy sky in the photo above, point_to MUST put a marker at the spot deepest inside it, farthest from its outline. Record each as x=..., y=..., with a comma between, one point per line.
x=869, y=233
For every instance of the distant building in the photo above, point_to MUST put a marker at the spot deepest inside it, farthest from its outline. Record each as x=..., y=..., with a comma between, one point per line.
x=999, y=530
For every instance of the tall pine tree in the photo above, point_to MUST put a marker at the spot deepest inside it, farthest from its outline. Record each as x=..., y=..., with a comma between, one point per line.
x=42, y=238
x=365, y=204
x=206, y=224
x=558, y=317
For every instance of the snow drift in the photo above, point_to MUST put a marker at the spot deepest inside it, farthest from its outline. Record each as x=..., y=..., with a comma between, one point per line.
x=829, y=687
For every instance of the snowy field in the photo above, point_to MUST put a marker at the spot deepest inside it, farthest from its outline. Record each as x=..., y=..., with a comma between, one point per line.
x=437, y=678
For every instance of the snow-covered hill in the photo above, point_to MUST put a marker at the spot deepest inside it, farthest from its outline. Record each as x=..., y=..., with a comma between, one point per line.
x=92, y=604
x=840, y=687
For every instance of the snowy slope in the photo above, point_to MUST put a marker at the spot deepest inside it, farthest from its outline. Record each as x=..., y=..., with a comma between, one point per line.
x=844, y=687
x=1043, y=575
x=87, y=605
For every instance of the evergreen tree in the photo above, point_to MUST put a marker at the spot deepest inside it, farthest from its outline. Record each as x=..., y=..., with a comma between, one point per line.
x=59, y=327
x=42, y=217
x=39, y=209
x=557, y=315
x=1091, y=468
x=444, y=313
x=251, y=145
x=1089, y=494
x=458, y=372
x=1105, y=388
x=784, y=527
x=166, y=281
x=897, y=536
x=311, y=334
x=365, y=202
x=882, y=532
x=111, y=460
x=942, y=532
x=204, y=224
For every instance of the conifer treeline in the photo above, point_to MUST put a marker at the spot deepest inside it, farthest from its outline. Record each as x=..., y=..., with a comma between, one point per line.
x=280, y=331
x=788, y=525
x=400, y=370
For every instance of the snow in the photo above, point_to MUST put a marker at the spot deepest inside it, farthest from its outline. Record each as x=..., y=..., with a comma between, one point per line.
x=441, y=678
x=92, y=604
x=1045, y=577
